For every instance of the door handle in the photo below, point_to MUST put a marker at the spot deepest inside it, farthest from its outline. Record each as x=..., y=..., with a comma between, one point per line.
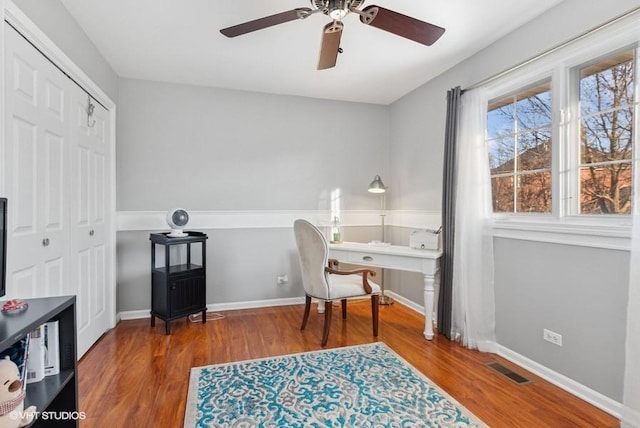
x=45, y=242
x=91, y=232
x=367, y=258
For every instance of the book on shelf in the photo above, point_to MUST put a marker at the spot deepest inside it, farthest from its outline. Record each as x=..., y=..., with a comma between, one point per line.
x=52, y=348
x=18, y=354
x=35, y=361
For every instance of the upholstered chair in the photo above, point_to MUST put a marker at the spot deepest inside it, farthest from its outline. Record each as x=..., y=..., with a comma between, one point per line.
x=323, y=282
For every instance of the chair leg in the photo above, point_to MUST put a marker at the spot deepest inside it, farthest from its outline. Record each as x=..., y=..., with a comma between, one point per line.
x=344, y=309
x=375, y=306
x=327, y=323
x=307, y=308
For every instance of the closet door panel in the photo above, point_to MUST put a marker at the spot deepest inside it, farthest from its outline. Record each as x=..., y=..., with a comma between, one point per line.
x=23, y=149
x=84, y=270
x=36, y=142
x=89, y=217
x=82, y=184
x=55, y=100
x=25, y=237
x=99, y=298
x=54, y=277
x=25, y=76
x=99, y=144
x=26, y=280
x=54, y=195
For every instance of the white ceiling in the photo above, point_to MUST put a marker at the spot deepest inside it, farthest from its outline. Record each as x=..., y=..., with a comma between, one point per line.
x=179, y=41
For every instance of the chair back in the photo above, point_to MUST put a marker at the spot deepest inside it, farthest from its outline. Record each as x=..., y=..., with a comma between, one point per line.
x=313, y=252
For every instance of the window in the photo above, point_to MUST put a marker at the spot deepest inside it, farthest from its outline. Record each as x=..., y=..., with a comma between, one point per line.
x=590, y=164
x=563, y=139
x=606, y=135
x=519, y=144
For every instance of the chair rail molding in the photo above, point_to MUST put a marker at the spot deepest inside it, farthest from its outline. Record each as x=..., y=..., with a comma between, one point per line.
x=128, y=221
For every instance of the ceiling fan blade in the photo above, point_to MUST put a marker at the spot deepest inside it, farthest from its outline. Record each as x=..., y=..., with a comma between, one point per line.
x=267, y=21
x=401, y=25
x=330, y=45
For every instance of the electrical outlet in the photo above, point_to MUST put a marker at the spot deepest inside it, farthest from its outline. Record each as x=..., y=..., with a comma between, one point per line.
x=552, y=337
x=282, y=279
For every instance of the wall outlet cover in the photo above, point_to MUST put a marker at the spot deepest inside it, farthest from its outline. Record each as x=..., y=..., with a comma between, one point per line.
x=551, y=336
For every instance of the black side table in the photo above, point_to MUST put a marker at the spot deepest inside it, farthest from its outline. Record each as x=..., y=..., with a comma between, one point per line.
x=178, y=288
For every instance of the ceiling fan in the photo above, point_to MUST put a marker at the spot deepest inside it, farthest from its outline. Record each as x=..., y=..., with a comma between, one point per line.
x=376, y=16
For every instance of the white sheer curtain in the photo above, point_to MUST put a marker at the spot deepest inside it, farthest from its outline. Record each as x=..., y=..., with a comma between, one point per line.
x=631, y=401
x=473, y=307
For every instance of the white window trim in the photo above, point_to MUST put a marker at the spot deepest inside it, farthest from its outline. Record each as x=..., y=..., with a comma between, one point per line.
x=563, y=225
x=599, y=233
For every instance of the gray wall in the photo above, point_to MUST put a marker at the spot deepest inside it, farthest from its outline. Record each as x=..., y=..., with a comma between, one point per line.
x=242, y=265
x=56, y=22
x=538, y=285
x=217, y=149
x=210, y=149
x=578, y=292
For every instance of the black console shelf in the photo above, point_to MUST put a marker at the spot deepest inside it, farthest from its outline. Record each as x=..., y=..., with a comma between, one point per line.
x=58, y=393
x=178, y=290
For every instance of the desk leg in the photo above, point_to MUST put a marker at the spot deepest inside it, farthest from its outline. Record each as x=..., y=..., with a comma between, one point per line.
x=429, y=291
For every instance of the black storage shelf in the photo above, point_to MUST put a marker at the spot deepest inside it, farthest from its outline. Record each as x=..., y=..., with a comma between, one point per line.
x=177, y=269
x=178, y=290
x=42, y=394
x=53, y=393
x=165, y=239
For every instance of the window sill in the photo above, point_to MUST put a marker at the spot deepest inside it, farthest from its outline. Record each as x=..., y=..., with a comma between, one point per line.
x=608, y=233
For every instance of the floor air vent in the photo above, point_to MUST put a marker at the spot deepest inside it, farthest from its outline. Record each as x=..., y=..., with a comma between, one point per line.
x=520, y=380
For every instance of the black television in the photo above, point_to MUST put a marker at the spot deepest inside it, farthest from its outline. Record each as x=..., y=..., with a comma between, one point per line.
x=3, y=246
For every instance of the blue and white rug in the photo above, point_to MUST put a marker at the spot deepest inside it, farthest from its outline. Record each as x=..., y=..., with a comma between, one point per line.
x=358, y=386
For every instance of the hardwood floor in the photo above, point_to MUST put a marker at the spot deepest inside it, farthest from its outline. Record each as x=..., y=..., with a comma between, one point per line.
x=137, y=376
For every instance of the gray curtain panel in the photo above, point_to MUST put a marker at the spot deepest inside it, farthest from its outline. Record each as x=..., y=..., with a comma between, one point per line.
x=448, y=211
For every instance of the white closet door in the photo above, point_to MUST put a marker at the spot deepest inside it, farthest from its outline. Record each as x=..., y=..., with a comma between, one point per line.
x=57, y=176
x=36, y=143
x=89, y=218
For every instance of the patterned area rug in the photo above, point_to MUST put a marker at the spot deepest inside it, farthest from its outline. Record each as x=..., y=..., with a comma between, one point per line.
x=359, y=386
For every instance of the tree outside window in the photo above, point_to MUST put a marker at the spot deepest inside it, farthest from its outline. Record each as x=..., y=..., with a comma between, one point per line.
x=606, y=135
x=519, y=144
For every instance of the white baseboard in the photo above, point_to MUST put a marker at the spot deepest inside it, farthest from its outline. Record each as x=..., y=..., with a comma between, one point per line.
x=406, y=302
x=255, y=304
x=599, y=400
x=133, y=315
x=214, y=307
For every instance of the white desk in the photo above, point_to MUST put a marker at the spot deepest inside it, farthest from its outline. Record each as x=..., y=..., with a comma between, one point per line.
x=395, y=257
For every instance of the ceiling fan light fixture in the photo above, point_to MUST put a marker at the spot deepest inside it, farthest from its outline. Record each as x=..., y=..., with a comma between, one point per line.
x=328, y=5
x=338, y=14
x=338, y=9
